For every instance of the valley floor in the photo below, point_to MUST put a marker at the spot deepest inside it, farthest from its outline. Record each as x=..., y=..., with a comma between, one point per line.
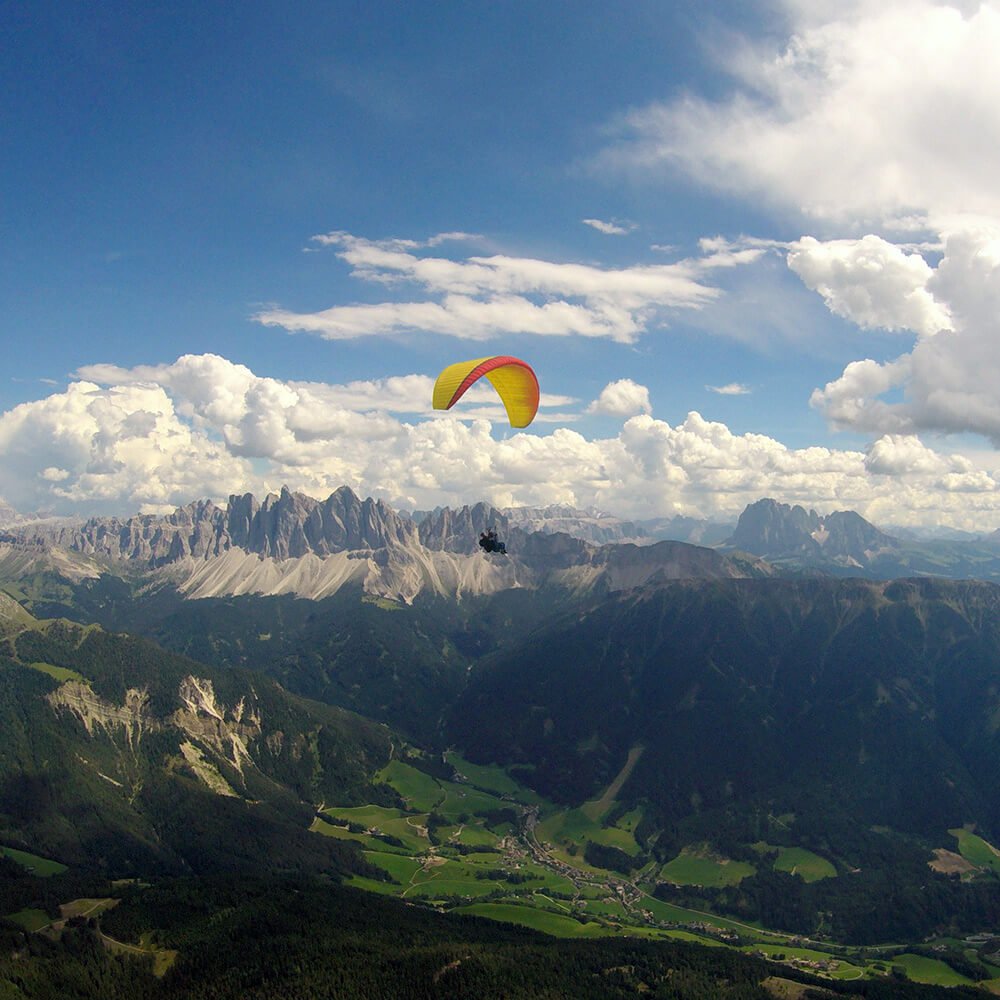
x=487, y=846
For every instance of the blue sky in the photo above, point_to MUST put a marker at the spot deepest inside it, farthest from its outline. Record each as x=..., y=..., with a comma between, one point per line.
x=239, y=243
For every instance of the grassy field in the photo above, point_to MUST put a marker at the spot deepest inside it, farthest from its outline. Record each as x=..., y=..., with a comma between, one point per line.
x=833, y=966
x=472, y=835
x=60, y=674
x=419, y=791
x=399, y=866
x=31, y=920
x=540, y=920
x=980, y=852
x=696, y=865
x=798, y=861
x=490, y=777
x=930, y=970
x=43, y=867
x=394, y=822
x=808, y=866
x=87, y=907
x=575, y=827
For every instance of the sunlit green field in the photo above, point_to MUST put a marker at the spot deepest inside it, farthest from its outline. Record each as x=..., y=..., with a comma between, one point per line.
x=798, y=861
x=419, y=791
x=808, y=866
x=976, y=850
x=697, y=866
x=36, y=865
x=490, y=777
x=407, y=827
x=575, y=827
x=930, y=970
x=60, y=674
x=541, y=920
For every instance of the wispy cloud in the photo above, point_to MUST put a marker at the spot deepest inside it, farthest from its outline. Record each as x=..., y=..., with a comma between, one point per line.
x=610, y=228
x=477, y=298
x=730, y=389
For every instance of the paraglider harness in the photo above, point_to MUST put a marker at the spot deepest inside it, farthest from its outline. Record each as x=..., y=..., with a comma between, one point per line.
x=489, y=542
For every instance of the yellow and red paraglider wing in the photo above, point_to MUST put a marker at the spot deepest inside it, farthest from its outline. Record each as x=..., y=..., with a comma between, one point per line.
x=512, y=378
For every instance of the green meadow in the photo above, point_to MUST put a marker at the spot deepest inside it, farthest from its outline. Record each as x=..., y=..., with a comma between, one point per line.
x=696, y=865
x=419, y=791
x=798, y=861
x=541, y=920
x=490, y=777
x=980, y=852
x=808, y=866
x=61, y=674
x=573, y=827
x=43, y=867
x=410, y=828
x=930, y=970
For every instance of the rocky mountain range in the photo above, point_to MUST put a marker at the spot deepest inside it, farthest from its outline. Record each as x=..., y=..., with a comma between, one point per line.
x=291, y=543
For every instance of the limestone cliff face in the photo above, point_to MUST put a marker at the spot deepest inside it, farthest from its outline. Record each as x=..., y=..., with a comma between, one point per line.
x=285, y=526
x=210, y=734
x=126, y=722
x=447, y=530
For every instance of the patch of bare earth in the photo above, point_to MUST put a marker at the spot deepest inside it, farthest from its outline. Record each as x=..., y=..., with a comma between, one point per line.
x=950, y=863
x=786, y=989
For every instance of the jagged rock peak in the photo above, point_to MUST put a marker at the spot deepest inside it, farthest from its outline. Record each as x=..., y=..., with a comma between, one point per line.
x=458, y=530
x=292, y=524
x=285, y=525
x=772, y=529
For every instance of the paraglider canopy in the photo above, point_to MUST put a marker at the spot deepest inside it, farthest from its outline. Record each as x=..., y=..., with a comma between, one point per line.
x=512, y=378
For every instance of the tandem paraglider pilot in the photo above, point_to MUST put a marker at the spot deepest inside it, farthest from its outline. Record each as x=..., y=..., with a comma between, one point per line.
x=489, y=542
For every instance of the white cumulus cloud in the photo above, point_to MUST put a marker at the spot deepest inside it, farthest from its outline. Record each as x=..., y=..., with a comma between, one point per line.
x=609, y=228
x=948, y=382
x=155, y=436
x=623, y=398
x=878, y=112
x=871, y=282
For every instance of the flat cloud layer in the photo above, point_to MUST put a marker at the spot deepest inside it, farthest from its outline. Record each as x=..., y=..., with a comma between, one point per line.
x=153, y=437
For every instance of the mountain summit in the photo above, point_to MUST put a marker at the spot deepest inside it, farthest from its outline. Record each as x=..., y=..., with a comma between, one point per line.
x=780, y=531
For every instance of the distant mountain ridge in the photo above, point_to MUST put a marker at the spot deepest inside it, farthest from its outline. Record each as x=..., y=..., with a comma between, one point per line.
x=291, y=543
x=796, y=540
